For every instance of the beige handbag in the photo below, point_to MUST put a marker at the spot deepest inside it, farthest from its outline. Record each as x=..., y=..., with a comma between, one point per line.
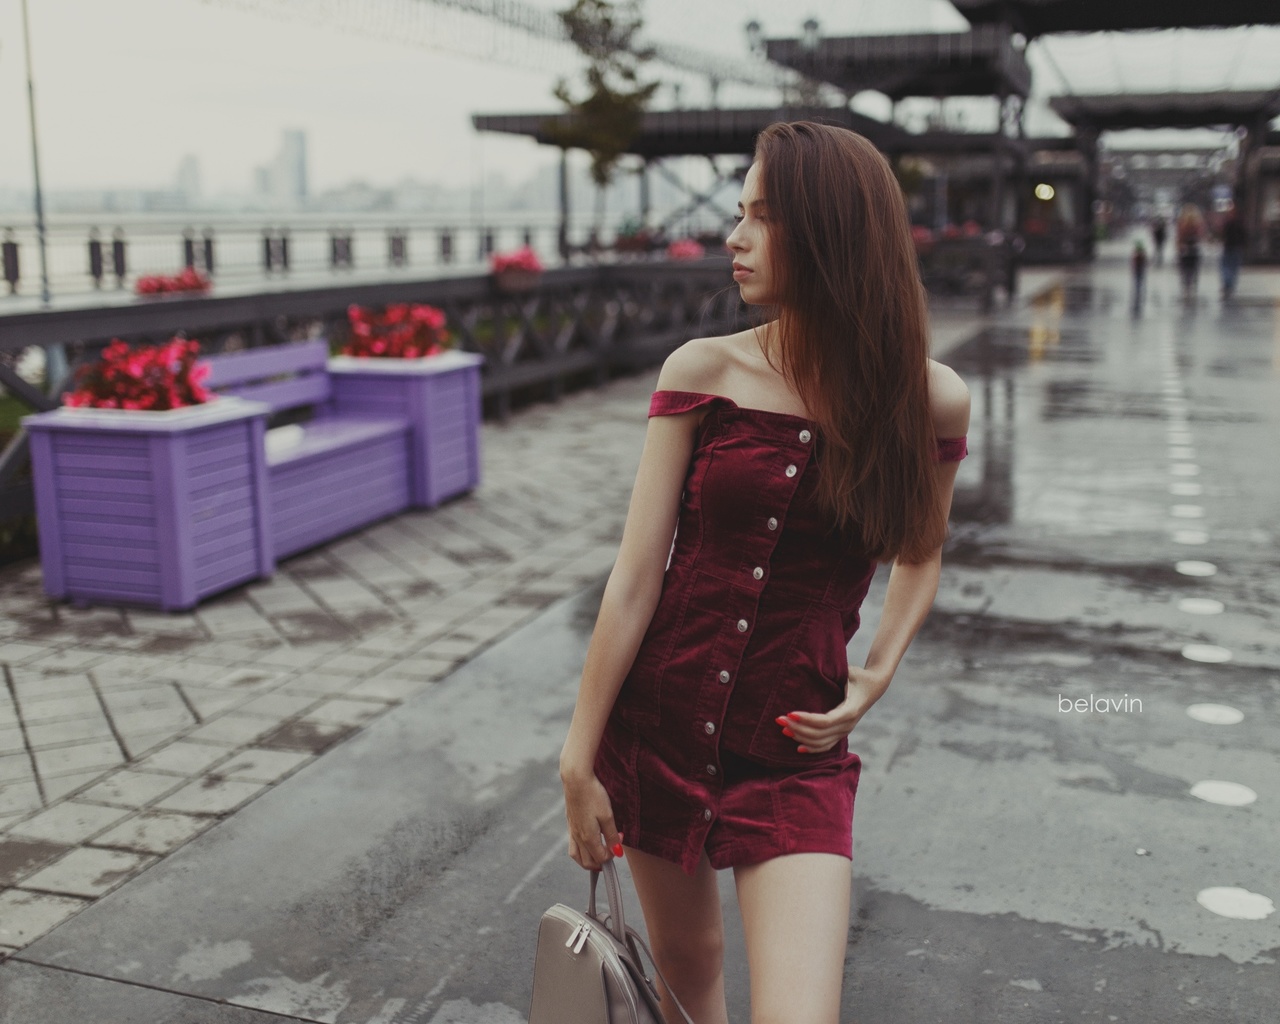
x=588, y=968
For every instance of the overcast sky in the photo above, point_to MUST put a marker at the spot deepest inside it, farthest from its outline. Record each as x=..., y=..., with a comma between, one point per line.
x=126, y=88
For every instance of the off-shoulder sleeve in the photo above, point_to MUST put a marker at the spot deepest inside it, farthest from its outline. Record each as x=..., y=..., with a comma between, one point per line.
x=669, y=403
x=952, y=449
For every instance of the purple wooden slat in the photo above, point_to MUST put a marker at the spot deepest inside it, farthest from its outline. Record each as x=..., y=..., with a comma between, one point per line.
x=287, y=394
x=105, y=532
x=261, y=496
x=126, y=555
x=76, y=506
x=234, y=368
x=221, y=479
x=241, y=566
x=48, y=514
x=216, y=502
x=309, y=532
x=229, y=538
x=208, y=531
x=97, y=579
x=323, y=439
x=177, y=588
x=135, y=466
x=303, y=501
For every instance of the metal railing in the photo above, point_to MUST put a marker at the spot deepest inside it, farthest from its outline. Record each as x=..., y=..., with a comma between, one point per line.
x=576, y=325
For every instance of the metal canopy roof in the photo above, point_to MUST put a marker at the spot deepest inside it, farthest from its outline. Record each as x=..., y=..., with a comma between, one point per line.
x=1043, y=17
x=983, y=62
x=665, y=133
x=1167, y=110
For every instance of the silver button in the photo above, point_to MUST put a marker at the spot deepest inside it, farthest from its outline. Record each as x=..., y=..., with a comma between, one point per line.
x=724, y=675
x=711, y=769
x=742, y=625
x=706, y=815
x=805, y=435
x=791, y=470
x=773, y=523
x=710, y=727
x=758, y=573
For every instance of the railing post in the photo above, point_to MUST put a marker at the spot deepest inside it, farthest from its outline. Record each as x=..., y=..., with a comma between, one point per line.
x=340, y=252
x=284, y=249
x=9, y=249
x=446, y=245
x=527, y=238
x=486, y=243
x=119, y=262
x=188, y=248
x=96, y=268
x=208, y=251
x=397, y=247
x=268, y=252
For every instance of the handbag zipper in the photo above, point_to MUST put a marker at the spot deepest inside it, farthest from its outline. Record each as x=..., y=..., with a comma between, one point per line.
x=580, y=935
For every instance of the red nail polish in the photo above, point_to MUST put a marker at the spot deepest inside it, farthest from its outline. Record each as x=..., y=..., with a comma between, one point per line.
x=780, y=720
x=788, y=732
x=803, y=750
x=793, y=715
x=617, y=849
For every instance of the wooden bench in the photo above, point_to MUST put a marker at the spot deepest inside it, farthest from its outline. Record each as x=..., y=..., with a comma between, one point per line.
x=163, y=509
x=381, y=437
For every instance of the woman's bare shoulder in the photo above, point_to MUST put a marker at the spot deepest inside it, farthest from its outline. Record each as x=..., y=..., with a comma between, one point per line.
x=948, y=401
x=697, y=365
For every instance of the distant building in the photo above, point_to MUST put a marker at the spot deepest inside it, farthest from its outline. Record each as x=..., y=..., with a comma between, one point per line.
x=283, y=182
x=188, y=180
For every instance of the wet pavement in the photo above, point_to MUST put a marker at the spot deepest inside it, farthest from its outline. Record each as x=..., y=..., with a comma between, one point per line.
x=1014, y=860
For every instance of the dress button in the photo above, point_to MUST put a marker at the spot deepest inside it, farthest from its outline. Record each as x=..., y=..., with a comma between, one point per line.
x=711, y=769
x=758, y=573
x=773, y=523
x=724, y=675
x=742, y=625
x=710, y=727
x=706, y=815
x=791, y=470
x=805, y=435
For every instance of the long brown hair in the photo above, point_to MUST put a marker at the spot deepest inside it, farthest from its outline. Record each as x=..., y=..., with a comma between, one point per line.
x=852, y=327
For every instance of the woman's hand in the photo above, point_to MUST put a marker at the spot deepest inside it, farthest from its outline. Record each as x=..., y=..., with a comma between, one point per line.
x=590, y=816
x=816, y=733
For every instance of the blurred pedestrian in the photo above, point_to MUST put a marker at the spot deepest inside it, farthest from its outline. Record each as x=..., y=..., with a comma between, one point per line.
x=1139, y=266
x=1233, y=240
x=1159, y=232
x=1190, y=234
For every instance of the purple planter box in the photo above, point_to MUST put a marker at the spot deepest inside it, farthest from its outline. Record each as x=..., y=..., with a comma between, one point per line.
x=151, y=508
x=439, y=396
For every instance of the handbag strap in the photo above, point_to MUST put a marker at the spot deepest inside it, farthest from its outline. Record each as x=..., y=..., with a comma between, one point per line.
x=618, y=925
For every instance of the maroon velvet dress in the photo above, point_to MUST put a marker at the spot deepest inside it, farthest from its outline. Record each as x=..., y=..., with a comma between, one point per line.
x=759, y=602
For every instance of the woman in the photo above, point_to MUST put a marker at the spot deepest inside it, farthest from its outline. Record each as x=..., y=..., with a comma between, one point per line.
x=1190, y=232
x=716, y=700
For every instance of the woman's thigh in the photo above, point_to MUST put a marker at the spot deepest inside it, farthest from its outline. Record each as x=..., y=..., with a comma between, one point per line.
x=795, y=915
x=686, y=933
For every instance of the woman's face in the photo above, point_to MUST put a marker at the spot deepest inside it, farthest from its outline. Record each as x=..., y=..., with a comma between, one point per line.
x=749, y=243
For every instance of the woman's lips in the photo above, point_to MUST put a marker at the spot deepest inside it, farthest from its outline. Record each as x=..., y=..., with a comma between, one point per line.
x=740, y=273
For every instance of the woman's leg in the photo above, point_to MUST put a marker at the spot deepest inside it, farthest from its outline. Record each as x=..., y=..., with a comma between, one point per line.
x=686, y=933
x=795, y=914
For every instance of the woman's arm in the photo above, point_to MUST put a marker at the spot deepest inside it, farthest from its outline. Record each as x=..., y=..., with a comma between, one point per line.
x=626, y=609
x=908, y=598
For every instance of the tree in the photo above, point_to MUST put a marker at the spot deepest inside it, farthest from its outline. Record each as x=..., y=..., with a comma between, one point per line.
x=606, y=120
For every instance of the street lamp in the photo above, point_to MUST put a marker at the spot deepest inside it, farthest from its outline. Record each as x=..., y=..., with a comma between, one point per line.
x=755, y=36
x=35, y=161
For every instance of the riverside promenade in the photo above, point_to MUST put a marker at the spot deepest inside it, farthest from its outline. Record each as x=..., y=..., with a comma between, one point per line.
x=332, y=796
